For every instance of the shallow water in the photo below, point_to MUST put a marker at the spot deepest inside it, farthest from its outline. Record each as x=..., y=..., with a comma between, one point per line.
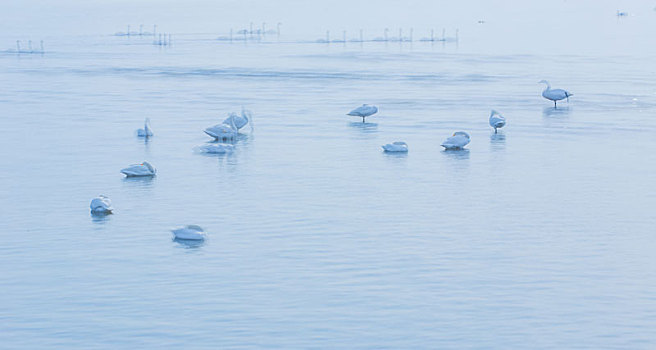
x=540, y=236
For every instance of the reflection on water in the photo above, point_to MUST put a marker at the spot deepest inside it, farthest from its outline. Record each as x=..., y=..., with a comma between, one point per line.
x=458, y=154
x=100, y=217
x=498, y=141
x=555, y=112
x=395, y=154
x=139, y=181
x=189, y=243
x=365, y=127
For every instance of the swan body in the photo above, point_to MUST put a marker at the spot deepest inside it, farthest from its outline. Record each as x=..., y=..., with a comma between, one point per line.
x=191, y=232
x=363, y=111
x=227, y=130
x=143, y=169
x=217, y=148
x=398, y=146
x=497, y=120
x=146, y=131
x=222, y=132
x=101, y=205
x=459, y=140
x=554, y=94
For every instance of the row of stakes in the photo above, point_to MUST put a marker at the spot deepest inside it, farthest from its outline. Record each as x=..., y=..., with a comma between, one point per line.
x=387, y=38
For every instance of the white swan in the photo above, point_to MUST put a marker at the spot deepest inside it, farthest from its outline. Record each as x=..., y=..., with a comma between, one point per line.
x=554, y=94
x=240, y=120
x=398, y=146
x=364, y=111
x=191, y=232
x=497, y=120
x=459, y=140
x=217, y=148
x=143, y=169
x=145, y=132
x=223, y=131
x=101, y=205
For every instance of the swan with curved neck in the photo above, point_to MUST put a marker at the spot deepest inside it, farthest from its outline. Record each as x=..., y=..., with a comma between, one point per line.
x=145, y=132
x=458, y=141
x=554, y=94
x=227, y=130
x=497, y=120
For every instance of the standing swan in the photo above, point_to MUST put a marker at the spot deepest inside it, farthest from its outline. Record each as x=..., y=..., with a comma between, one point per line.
x=364, y=111
x=497, y=120
x=459, y=140
x=143, y=169
x=101, y=205
x=145, y=132
x=554, y=94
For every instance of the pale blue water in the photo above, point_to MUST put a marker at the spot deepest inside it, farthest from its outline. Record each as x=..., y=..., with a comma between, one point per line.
x=538, y=237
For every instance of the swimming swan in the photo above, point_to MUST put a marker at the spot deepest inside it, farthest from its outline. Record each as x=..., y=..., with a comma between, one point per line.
x=143, y=169
x=101, y=205
x=145, y=132
x=396, y=147
x=227, y=130
x=240, y=121
x=497, y=120
x=191, y=232
x=554, y=94
x=363, y=111
x=459, y=140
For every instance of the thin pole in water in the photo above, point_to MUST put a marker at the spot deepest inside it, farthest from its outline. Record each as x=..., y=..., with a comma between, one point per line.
x=18, y=46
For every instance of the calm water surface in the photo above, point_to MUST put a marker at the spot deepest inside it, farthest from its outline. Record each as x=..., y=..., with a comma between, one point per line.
x=541, y=236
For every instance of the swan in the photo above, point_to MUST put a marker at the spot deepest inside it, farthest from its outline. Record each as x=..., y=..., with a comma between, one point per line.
x=497, y=120
x=143, y=169
x=224, y=131
x=191, y=232
x=101, y=205
x=145, y=132
x=364, y=111
x=459, y=140
x=554, y=94
x=240, y=120
x=217, y=148
x=398, y=146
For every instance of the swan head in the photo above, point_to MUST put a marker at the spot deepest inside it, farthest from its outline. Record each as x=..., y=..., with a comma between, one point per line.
x=493, y=113
x=147, y=165
x=543, y=82
x=461, y=133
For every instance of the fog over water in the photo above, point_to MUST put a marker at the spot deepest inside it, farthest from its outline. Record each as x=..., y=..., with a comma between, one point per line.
x=540, y=236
